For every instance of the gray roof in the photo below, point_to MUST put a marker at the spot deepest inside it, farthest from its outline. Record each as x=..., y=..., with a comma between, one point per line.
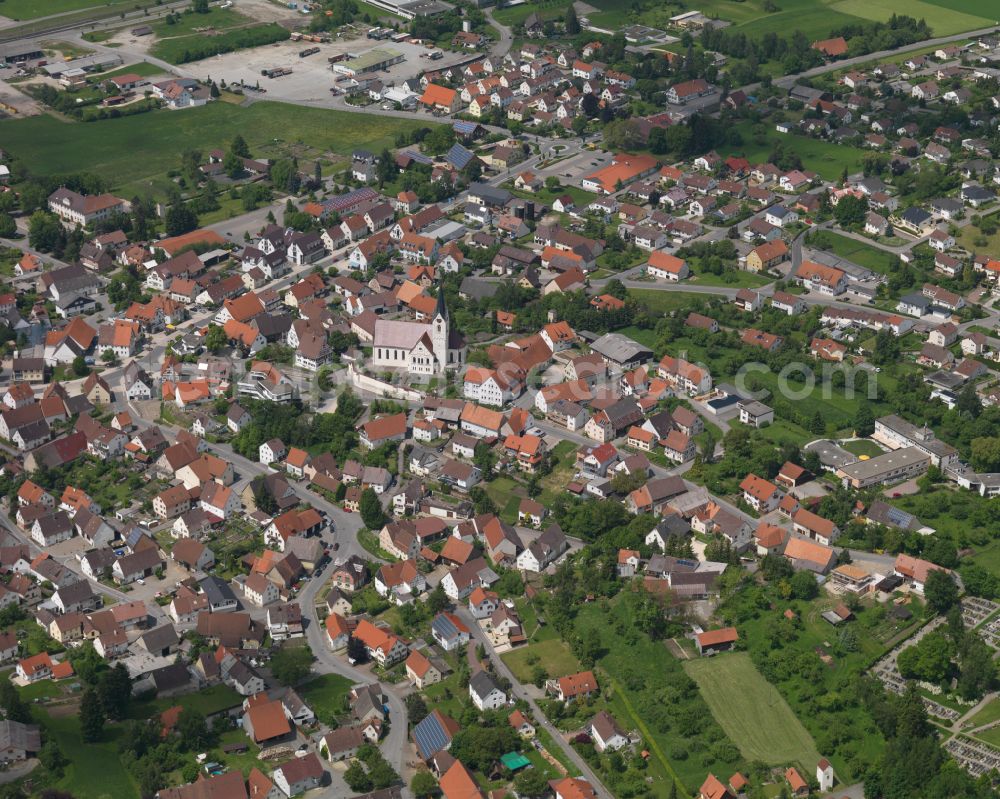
x=490, y=194
x=73, y=593
x=478, y=289
x=160, y=638
x=620, y=349
x=874, y=467
x=15, y=735
x=217, y=590
x=482, y=684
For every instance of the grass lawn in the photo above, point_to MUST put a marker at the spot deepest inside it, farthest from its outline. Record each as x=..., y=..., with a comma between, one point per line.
x=546, y=9
x=369, y=541
x=325, y=695
x=651, y=693
x=991, y=736
x=581, y=197
x=211, y=700
x=500, y=490
x=955, y=512
x=644, y=336
x=552, y=655
x=448, y=696
x=556, y=751
x=95, y=770
x=190, y=23
x=228, y=37
x=744, y=703
x=864, y=447
x=664, y=301
x=43, y=689
x=241, y=761
x=853, y=250
x=143, y=68
x=968, y=236
x=34, y=9
x=781, y=431
x=554, y=483
x=134, y=153
x=731, y=278
x=540, y=763
x=825, y=158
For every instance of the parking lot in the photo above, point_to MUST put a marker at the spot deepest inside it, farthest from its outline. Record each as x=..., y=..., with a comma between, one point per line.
x=312, y=78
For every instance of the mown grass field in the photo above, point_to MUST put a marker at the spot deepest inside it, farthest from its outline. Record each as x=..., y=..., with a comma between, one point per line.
x=134, y=153
x=662, y=301
x=989, y=714
x=863, y=447
x=143, y=68
x=816, y=18
x=825, y=158
x=552, y=655
x=855, y=251
x=752, y=712
x=35, y=9
x=95, y=770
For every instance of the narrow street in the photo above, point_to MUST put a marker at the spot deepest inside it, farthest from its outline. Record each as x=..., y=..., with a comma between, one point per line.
x=520, y=692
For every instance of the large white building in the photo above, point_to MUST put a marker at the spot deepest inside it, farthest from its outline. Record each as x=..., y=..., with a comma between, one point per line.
x=417, y=347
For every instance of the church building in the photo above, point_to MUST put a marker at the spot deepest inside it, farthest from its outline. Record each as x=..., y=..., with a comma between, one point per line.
x=426, y=349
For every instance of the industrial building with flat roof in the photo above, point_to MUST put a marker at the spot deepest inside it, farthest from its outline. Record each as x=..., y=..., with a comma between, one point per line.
x=373, y=61
x=892, y=467
x=410, y=9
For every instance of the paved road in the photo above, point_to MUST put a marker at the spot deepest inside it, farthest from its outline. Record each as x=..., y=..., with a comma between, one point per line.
x=342, y=531
x=790, y=80
x=520, y=692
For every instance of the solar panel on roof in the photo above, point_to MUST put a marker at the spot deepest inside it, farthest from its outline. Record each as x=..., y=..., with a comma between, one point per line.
x=430, y=736
x=459, y=156
x=899, y=517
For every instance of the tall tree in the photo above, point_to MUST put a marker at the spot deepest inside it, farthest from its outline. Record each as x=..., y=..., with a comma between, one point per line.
x=91, y=717
x=571, y=21
x=239, y=147
x=371, y=509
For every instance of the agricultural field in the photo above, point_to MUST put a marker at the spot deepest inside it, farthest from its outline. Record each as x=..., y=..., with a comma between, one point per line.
x=135, y=153
x=816, y=18
x=853, y=250
x=36, y=9
x=744, y=703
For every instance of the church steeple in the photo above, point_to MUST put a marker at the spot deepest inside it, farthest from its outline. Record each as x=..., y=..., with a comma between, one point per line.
x=441, y=309
x=440, y=331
